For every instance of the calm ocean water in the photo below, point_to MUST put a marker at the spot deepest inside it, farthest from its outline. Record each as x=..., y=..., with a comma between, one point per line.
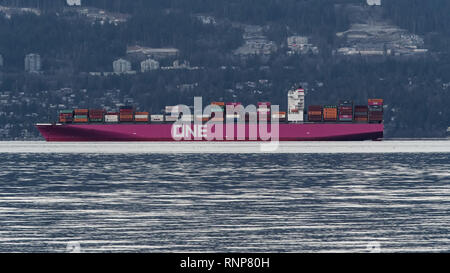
x=225, y=202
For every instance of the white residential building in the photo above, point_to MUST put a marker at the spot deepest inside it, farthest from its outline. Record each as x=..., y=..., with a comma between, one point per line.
x=149, y=65
x=154, y=53
x=33, y=63
x=73, y=2
x=121, y=66
x=181, y=65
x=300, y=44
x=374, y=2
x=295, y=41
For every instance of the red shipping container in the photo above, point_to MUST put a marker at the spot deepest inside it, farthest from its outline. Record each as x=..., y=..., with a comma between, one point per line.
x=375, y=101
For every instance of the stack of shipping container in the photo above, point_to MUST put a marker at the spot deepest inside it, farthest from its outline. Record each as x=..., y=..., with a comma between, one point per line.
x=218, y=111
x=330, y=113
x=141, y=116
x=281, y=116
x=375, y=110
x=361, y=113
x=315, y=113
x=96, y=115
x=264, y=111
x=172, y=113
x=202, y=118
x=187, y=118
x=111, y=117
x=66, y=116
x=231, y=115
x=80, y=115
x=157, y=118
x=346, y=110
x=126, y=114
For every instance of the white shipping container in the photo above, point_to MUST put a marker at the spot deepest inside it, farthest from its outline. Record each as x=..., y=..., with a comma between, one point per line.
x=111, y=118
x=232, y=116
x=201, y=117
x=263, y=109
x=279, y=116
x=174, y=109
x=170, y=118
x=140, y=116
x=187, y=118
x=157, y=118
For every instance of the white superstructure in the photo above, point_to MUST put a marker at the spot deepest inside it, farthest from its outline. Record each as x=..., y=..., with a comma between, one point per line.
x=296, y=105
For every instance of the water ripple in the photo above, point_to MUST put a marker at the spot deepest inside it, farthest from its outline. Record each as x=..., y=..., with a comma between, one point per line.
x=226, y=202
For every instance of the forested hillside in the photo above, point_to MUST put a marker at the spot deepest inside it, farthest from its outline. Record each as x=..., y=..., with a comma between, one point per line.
x=71, y=44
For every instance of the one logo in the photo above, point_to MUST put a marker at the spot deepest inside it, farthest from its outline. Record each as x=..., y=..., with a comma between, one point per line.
x=73, y=247
x=180, y=131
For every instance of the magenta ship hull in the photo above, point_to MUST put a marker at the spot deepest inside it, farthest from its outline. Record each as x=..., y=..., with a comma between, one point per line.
x=164, y=132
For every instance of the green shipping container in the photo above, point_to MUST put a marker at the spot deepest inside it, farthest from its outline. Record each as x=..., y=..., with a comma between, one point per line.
x=217, y=108
x=66, y=112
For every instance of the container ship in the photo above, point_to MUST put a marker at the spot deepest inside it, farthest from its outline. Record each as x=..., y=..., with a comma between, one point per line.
x=342, y=122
